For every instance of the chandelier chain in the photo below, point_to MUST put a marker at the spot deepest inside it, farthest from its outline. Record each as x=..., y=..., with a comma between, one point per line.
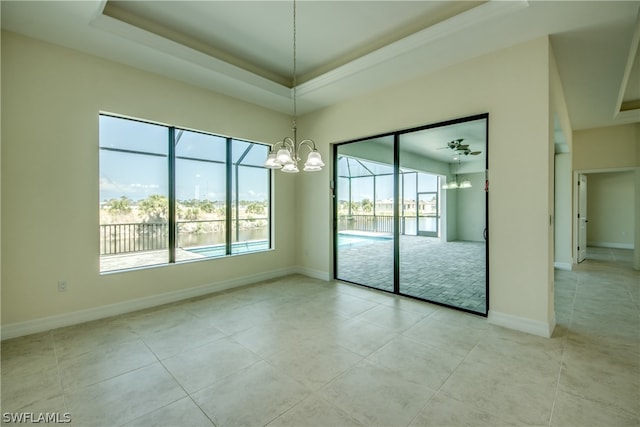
x=287, y=156
x=295, y=82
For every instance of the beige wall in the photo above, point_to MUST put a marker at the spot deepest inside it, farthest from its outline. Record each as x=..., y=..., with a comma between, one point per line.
x=610, y=209
x=51, y=99
x=513, y=87
x=50, y=102
x=470, y=212
x=563, y=215
x=636, y=240
x=559, y=232
x=558, y=101
x=606, y=148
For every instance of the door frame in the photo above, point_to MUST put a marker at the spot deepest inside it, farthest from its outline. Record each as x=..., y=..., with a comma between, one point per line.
x=574, y=218
x=581, y=218
x=396, y=208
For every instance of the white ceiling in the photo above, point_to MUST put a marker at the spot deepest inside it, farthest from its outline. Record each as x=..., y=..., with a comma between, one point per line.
x=348, y=48
x=433, y=142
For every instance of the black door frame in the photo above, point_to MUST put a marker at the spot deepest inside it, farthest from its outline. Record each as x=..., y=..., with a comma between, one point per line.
x=396, y=208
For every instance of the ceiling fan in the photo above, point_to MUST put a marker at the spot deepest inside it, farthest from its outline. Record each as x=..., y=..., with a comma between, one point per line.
x=460, y=148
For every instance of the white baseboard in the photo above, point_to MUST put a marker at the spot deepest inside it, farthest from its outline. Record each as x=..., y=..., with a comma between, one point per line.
x=563, y=265
x=534, y=327
x=611, y=245
x=42, y=324
x=316, y=274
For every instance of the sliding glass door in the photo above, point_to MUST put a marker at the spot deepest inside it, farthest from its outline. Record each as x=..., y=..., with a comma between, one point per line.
x=445, y=261
x=364, y=213
x=411, y=213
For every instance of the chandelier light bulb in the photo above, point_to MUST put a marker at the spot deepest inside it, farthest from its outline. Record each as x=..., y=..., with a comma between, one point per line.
x=314, y=160
x=290, y=168
x=284, y=157
x=271, y=162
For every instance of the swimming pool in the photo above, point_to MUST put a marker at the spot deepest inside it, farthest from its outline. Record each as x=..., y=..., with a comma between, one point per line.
x=236, y=248
x=348, y=240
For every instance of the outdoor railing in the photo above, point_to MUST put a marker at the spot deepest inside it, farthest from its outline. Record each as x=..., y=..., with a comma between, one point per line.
x=132, y=237
x=380, y=223
x=150, y=236
x=373, y=223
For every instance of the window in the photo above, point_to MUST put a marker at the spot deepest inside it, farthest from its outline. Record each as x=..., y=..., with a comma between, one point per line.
x=171, y=195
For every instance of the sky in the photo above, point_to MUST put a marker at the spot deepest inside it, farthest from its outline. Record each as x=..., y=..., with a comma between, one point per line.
x=138, y=176
x=362, y=187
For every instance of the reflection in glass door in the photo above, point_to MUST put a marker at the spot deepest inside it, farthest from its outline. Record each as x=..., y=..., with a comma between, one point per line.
x=446, y=261
x=410, y=213
x=427, y=213
x=364, y=213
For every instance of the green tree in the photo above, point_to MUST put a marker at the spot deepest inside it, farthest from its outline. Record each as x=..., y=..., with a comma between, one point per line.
x=207, y=206
x=367, y=205
x=256, y=208
x=154, y=208
x=191, y=214
x=119, y=206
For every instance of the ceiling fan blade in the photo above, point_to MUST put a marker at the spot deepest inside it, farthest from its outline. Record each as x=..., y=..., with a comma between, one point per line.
x=475, y=153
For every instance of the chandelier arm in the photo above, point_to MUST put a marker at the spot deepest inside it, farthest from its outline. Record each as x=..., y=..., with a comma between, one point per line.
x=289, y=144
x=275, y=145
x=309, y=143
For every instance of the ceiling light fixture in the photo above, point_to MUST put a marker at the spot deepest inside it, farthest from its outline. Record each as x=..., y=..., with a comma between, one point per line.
x=465, y=184
x=454, y=184
x=285, y=154
x=450, y=185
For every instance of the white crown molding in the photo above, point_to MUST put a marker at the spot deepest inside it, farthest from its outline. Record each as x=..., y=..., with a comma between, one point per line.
x=230, y=75
x=627, y=117
x=222, y=72
x=633, y=51
x=472, y=17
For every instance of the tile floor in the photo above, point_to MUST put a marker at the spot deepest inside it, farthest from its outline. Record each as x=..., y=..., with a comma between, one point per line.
x=301, y=352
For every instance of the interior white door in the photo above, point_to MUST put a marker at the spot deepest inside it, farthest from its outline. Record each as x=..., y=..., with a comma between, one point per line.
x=582, y=217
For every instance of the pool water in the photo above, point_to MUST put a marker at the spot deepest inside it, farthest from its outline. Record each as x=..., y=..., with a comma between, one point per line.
x=236, y=248
x=346, y=240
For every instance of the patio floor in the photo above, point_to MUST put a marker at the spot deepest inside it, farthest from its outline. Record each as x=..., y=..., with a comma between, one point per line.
x=112, y=263
x=109, y=263
x=451, y=273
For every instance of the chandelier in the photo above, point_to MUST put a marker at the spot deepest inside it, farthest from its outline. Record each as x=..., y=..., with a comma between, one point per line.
x=285, y=154
x=454, y=184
